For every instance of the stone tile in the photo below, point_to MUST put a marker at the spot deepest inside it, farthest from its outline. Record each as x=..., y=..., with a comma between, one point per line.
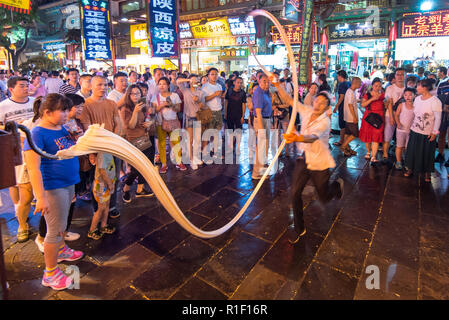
x=128, y=294
x=230, y=267
x=324, y=283
x=211, y=186
x=162, y=280
x=433, y=287
x=187, y=200
x=434, y=262
x=29, y=290
x=292, y=261
x=434, y=223
x=435, y=240
x=386, y=242
x=345, y=248
x=402, y=187
x=319, y=218
x=197, y=289
x=260, y=284
x=106, y=281
x=168, y=237
x=220, y=201
x=400, y=210
x=361, y=214
x=396, y=282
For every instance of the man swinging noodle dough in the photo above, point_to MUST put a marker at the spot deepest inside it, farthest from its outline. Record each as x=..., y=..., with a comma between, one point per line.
x=314, y=137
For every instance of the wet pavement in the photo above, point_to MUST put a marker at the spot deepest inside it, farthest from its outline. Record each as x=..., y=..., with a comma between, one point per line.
x=400, y=225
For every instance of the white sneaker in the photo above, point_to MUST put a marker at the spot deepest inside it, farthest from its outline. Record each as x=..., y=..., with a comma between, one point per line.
x=40, y=245
x=194, y=166
x=71, y=236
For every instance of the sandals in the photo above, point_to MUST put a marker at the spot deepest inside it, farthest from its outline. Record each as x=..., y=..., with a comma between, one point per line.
x=427, y=177
x=368, y=156
x=408, y=173
x=108, y=229
x=96, y=234
x=374, y=160
x=338, y=144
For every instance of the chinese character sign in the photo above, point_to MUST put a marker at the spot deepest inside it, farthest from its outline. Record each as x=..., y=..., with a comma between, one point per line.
x=96, y=30
x=211, y=29
x=432, y=24
x=163, y=21
x=357, y=31
x=306, y=43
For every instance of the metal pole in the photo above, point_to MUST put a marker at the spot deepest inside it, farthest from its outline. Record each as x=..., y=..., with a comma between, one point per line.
x=111, y=30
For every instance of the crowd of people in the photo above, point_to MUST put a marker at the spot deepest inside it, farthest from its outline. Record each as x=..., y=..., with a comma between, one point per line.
x=408, y=111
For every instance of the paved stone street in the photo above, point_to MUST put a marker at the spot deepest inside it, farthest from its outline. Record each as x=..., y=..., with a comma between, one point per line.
x=398, y=224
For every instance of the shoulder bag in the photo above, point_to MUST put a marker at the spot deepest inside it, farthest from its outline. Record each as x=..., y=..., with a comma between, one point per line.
x=373, y=119
x=168, y=125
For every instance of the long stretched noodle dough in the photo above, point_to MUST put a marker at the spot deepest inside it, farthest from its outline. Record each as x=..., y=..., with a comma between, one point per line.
x=98, y=139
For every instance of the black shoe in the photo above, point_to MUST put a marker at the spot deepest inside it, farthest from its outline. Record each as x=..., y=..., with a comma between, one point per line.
x=144, y=193
x=296, y=236
x=439, y=158
x=114, y=214
x=126, y=197
x=340, y=191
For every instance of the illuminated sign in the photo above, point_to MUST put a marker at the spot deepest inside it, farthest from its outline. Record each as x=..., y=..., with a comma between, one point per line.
x=96, y=30
x=210, y=29
x=234, y=53
x=184, y=31
x=305, y=50
x=429, y=24
x=293, y=10
x=54, y=46
x=139, y=35
x=22, y=6
x=239, y=26
x=218, y=42
x=163, y=34
x=357, y=31
x=293, y=32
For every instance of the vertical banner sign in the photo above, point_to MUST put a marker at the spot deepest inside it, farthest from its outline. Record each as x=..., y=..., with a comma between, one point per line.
x=163, y=28
x=96, y=29
x=293, y=10
x=306, y=43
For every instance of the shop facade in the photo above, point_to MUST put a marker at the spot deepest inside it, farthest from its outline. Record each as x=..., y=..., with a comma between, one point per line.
x=358, y=47
x=423, y=39
x=220, y=42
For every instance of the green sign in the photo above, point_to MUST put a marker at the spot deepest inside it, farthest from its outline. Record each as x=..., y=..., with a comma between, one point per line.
x=306, y=43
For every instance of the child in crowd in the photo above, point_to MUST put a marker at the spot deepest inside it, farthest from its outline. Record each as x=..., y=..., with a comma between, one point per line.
x=102, y=189
x=53, y=184
x=351, y=117
x=404, y=116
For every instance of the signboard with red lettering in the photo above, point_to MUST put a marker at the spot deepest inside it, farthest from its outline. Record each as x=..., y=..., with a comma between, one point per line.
x=429, y=24
x=293, y=32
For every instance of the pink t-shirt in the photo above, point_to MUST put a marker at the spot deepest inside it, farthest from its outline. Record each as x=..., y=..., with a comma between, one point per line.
x=39, y=92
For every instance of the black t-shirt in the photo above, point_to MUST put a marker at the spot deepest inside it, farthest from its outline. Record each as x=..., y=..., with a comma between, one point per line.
x=235, y=101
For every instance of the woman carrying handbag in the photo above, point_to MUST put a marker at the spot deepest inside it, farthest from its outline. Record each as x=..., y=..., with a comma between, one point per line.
x=167, y=104
x=133, y=114
x=372, y=133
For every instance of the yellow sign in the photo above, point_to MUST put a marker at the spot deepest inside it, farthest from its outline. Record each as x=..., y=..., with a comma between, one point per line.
x=139, y=35
x=210, y=29
x=19, y=5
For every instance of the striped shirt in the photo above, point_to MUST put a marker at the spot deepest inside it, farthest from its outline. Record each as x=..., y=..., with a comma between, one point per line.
x=67, y=88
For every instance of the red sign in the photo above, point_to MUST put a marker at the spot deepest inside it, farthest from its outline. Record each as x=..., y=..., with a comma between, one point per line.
x=293, y=32
x=430, y=24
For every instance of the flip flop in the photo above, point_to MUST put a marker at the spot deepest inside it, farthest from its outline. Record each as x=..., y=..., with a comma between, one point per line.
x=337, y=144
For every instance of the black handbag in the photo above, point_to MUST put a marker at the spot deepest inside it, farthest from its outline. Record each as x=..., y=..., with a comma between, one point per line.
x=373, y=119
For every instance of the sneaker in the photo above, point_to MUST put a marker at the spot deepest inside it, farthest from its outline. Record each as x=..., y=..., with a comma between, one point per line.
x=40, y=245
x=181, y=167
x=352, y=152
x=71, y=236
x=144, y=193
x=96, y=234
x=68, y=254
x=59, y=281
x=194, y=166
x=398, y=166
x=107, y=229
x=163, y=169
x=114, y=214
x=439, y=158
x=86, y=196
x=296, y=236
x=126, y=196
x=23, y=236
x=340, y=192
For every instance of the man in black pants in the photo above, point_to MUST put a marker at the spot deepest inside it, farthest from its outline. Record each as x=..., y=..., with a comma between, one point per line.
x=235, y=107
x=314, y=137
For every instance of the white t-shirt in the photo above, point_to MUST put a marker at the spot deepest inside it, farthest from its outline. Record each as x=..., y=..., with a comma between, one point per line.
x=209, y=89
x=167, y=113
x=115, y=95
x=350, y=98
x=427, y=115
x=16, y=111
x=52, y=85
x=378, y=74
x=395, y=93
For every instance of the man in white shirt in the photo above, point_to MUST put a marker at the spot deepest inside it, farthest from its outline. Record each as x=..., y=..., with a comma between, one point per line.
x=86, y=86
x=53, y=83
x=214, y=94
x=351, y=116
x=392, y=95
x=377, y=73
x=19, y=108
x=314, y=138
x=120, y=85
